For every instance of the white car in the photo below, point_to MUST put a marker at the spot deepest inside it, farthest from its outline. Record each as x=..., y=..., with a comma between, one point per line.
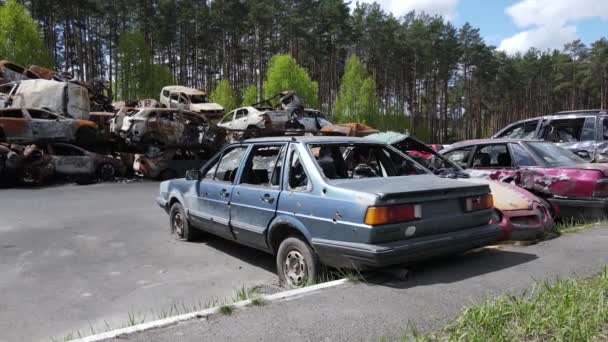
x=254, y=120
x=191, y=99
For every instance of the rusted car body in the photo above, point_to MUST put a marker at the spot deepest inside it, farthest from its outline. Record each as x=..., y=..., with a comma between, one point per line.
x=24, y=164
x=520, y=214
x=29, y=125
x=584, y=132
x=76, y=163
x=13, y=72
x=64, y=98
x=172, y=163
x=573, y=187
x=349, y=130
x=160, y=126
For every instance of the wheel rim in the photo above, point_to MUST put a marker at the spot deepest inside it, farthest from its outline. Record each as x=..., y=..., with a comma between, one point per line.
x=178, y=225
x=295, y=270
x=106, y=171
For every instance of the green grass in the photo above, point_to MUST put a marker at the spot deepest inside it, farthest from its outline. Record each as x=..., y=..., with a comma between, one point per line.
x=226, y=310
x=565, y=310
x=576, y=225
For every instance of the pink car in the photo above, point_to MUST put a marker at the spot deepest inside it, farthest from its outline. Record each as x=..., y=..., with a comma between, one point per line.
x=573, y=187
x=520, y=214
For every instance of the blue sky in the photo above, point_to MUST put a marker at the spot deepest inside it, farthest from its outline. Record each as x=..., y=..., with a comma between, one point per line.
x=516, y=25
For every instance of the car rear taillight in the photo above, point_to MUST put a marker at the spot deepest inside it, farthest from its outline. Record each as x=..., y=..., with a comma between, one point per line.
x=267, y=121
x=392, y=214
x=478, y=203
x=601, y=188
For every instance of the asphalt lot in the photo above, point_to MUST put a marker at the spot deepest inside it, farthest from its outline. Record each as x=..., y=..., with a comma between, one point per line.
x=382, y=307
x=75, y=257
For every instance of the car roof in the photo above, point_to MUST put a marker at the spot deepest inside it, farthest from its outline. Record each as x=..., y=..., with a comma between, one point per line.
x=488, y=141
x=312, y=139
x=185, y=90
x=568, y=113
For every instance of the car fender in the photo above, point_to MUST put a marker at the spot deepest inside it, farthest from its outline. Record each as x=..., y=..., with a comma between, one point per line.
x=282, y=219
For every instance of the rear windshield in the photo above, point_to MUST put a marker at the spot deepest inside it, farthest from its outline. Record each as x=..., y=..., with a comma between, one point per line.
x=348, y=161
x=553, y=155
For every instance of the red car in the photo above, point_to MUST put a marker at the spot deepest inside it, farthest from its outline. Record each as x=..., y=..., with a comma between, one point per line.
x=520, y=214
x=573, y=187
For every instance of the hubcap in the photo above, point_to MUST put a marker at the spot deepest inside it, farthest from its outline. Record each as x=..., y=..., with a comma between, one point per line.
x=295, y=269
x=178, y=225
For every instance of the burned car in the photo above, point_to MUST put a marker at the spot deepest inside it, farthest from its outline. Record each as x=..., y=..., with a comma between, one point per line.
x=297, y=198
x=24, y=164
x=520, y=214
x=64, y=98
x=255, y=121
x=573, y=187
x=73, y=162
x=29, y=125
x=171, y=163
x=194, y=100
x=160, y=126
x=584, y=132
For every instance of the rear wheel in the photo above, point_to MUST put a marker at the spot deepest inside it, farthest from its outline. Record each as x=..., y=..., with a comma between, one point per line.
x=297, y=263
x=180, y=226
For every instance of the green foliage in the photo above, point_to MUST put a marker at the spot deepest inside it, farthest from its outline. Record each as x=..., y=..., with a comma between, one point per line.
x=284, y=73
x=19, y=37
x=224, y=96
x=356, y=99
x=138, y=76
x=567, y=310
x=250, y=96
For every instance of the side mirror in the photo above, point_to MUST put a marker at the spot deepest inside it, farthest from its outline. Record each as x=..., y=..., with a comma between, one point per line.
x=193, y=175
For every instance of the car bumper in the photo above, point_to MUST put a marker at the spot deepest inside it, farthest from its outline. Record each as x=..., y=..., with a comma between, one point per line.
x=584, y=207
x=524, y=225
x=344, y=254
x=163, y=203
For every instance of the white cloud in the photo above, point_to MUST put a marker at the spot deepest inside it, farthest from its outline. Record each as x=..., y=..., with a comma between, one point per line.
x=445, y=8
x=549, y=24
x=557, y=12
x=542, y=38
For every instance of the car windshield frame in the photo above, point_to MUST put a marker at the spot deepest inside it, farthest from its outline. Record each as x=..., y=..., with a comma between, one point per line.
x=419, y=169
x=545, y=151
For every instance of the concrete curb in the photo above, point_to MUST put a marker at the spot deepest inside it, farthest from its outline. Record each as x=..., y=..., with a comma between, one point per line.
x=285, y=295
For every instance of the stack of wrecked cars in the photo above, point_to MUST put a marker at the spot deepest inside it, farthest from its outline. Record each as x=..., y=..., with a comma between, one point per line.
x=301, y=200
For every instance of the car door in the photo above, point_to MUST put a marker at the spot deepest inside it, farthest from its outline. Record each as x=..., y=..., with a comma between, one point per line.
x=309, y=121
x=174, y=100
x=16, y=126
x=577, y=134
x=240, y=119
x=47, y=126
x=71, y=160
x=460, y=156
x=212, y=209
x=254, y=199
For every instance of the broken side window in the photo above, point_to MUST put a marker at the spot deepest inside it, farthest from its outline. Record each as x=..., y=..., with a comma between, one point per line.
x=564, y=130
x=298, y=178
x=41, y=115
x=492, y=156
x=261, y=165
x=524, y=130
x=229, y=164
x=460, y=156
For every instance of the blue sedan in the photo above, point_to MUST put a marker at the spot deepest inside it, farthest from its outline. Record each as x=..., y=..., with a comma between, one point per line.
x=335, y=201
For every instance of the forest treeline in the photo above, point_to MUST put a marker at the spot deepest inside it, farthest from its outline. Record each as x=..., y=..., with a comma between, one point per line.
x=441, y=82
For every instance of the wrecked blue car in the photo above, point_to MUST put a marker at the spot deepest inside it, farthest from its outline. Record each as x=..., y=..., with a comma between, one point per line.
x=335, y=201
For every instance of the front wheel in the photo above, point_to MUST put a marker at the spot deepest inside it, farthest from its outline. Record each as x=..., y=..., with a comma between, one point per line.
x=106, y=172
x=180, y=227
x=297, y=264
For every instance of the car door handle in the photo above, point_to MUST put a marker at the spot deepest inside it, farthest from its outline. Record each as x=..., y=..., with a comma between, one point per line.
x=267, y=199
x=224, y=193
